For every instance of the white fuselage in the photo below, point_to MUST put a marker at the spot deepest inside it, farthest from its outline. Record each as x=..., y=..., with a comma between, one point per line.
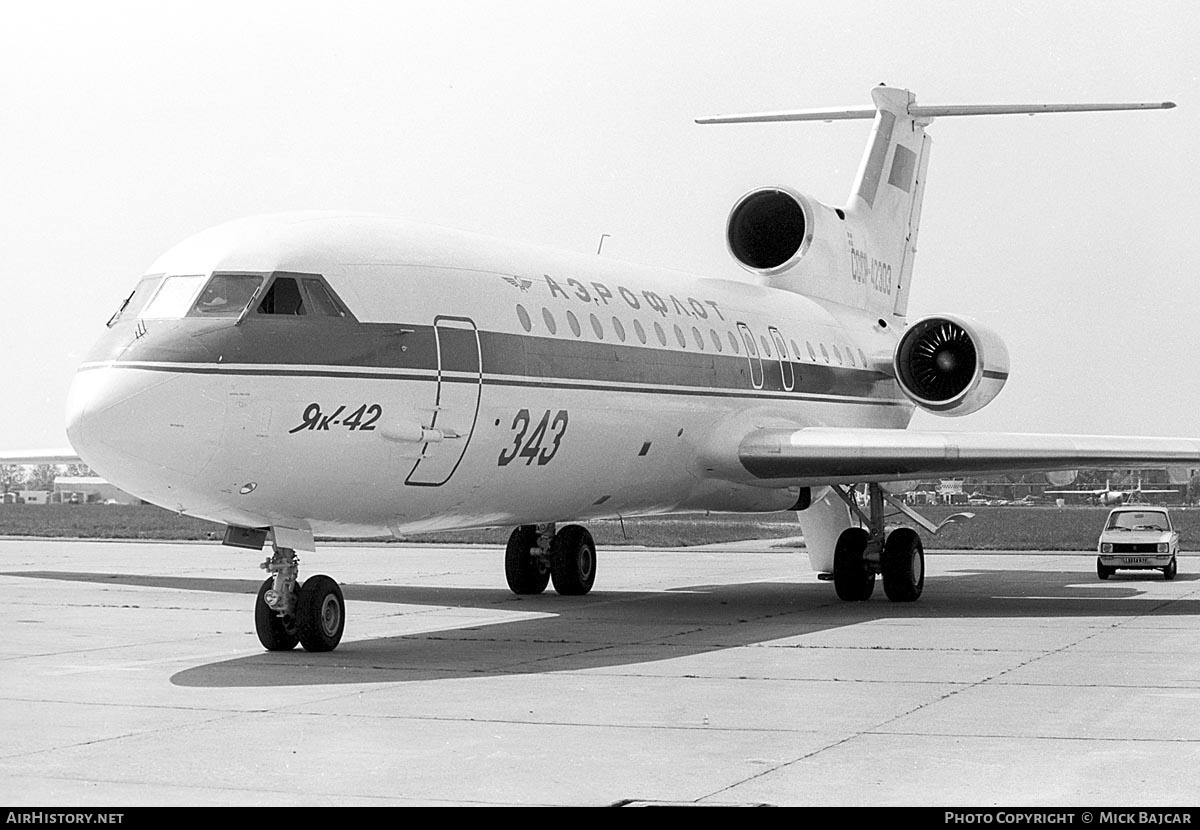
x=472, y=383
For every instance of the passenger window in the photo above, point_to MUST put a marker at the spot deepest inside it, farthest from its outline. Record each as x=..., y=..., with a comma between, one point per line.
x=226, y=295
x=837, y=353
x=283, y=297
x=733, y=344
x=619, y=329
x=549, y=319
x=699, y=338
x=679, y=336
x=174, y=297
x=716, y=340
x=596, y=327
x=573, y=323
x=641, y=332
x=824, y=353
x=811, y=353
x=662, y=335
x=765, y=345
x=523, y=316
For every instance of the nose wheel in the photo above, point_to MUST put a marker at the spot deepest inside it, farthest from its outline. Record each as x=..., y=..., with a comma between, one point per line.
x=276, y=632
x=312, y=615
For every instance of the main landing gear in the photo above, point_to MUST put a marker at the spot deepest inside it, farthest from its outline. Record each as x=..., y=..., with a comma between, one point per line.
x=312, y=614
x=537, y=555
x=863, y=552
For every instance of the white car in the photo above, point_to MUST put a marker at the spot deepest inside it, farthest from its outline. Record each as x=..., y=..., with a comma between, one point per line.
x=1138, y=537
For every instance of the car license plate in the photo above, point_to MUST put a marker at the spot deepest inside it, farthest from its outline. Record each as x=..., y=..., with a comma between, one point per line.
x=1135, y=560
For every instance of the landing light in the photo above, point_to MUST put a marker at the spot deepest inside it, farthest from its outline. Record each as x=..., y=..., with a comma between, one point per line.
x=248, y=488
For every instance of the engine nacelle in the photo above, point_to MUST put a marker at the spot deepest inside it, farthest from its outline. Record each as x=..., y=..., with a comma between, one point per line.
x=950, y=365
x=770, y=229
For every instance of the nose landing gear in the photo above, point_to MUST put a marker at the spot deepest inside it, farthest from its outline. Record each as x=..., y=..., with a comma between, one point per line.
x=313, y=614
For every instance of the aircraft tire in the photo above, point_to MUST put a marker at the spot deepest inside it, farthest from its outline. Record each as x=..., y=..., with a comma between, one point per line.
x=273, y=632
x=320, y=614
x=903, y=565
x=852, y=579
x=1102, y=571
x=1171, y=569
x=524, y=572
x=573, y=561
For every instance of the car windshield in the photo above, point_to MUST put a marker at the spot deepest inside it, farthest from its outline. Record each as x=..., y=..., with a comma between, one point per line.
x=1137, y=520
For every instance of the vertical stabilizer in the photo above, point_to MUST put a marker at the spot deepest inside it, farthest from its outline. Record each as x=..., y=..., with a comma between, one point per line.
x=887, y=195
x=861, y=256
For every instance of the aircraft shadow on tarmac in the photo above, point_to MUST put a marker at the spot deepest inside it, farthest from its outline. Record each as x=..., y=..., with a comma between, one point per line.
x=613, y=628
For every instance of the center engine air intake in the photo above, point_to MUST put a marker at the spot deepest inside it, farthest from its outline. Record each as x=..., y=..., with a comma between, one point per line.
x=950, y=365
x=769, y=229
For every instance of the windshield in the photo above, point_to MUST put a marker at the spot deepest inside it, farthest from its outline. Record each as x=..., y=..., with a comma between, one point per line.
x=134, y=302
x=174, y=297
x=1138, y=520
x=226, y=295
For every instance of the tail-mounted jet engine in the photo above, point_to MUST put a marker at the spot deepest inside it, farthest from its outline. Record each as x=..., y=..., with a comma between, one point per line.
x=770, y=229
x=950, y=365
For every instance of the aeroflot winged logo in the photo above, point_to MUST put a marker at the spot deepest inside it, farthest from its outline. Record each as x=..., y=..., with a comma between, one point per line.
x=518, y=282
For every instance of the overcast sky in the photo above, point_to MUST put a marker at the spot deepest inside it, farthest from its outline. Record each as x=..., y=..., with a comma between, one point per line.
x=126, y=127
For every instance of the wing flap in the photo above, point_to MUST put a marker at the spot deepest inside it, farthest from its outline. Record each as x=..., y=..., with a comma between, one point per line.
x=829, y=455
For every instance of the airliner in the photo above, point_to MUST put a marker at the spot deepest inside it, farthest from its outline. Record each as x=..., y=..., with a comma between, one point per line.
x=336, y=375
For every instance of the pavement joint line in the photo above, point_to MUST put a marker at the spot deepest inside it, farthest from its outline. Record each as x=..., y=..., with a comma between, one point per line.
x=878, y=728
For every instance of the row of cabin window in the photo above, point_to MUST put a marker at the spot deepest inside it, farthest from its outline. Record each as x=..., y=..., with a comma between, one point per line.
x=680, y=336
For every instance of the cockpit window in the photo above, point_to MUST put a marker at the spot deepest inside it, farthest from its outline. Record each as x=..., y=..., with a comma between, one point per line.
x=174, y=297
x=321, y=301
x=134, y=302
x=226, y=295
x=292, y=294
x=283, y=297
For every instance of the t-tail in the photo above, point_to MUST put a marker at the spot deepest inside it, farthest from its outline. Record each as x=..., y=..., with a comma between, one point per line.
x=860, y=255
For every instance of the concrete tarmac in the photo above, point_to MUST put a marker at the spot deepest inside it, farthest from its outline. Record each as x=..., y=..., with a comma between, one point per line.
x=725, y=675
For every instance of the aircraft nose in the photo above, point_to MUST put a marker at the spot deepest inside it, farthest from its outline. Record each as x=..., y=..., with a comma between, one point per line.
x=139, y=428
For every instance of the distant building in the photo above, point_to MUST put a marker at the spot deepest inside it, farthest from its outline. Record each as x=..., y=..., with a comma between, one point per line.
x=34, y=496
x=89, y=490
x=951, y=491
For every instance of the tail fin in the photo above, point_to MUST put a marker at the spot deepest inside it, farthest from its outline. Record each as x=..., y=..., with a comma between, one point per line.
x=883, y=212
x=890, y=205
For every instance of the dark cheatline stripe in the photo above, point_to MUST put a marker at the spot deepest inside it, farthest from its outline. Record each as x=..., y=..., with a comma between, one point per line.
x=331, y=347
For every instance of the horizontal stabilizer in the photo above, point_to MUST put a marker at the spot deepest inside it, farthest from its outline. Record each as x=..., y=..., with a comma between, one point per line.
x=29, y=457
x=851, y=456
x=926, y=112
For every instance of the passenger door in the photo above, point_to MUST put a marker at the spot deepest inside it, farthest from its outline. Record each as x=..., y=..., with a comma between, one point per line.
x=456, y=403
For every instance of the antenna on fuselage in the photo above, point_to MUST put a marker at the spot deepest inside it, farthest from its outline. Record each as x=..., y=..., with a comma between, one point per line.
x=603, y=237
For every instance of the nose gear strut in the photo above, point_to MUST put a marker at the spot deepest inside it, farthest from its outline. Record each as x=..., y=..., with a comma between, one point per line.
x=286, y=613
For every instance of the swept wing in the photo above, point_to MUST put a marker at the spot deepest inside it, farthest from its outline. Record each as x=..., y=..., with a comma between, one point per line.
x=830, y=455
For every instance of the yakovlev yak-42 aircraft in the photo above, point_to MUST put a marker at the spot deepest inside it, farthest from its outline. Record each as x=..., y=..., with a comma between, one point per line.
x=263, y=370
